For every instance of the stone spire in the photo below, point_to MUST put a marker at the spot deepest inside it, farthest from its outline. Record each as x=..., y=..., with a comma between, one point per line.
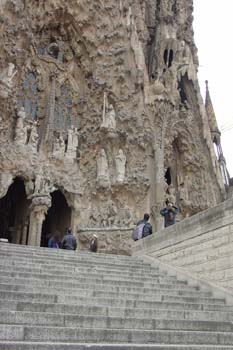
x=215, y=132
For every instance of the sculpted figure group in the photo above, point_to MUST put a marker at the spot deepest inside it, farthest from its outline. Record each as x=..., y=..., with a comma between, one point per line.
x=26, y=131
x=103, y=177
x=109, y=215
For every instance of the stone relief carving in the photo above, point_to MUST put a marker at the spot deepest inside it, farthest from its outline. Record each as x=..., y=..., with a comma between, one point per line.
x=43, y=184
x=103, y=179
x=120, y=166
x=136, y=47
x=72, y=143
x=21, y=128
x=186, y=62
x=59, y=147
x=6, y=80
x=109, y=115
x=109, y=215
x=34, y=137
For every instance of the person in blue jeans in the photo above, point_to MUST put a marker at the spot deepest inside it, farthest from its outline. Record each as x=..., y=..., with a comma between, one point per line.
x=54, y=242
x=169, y=213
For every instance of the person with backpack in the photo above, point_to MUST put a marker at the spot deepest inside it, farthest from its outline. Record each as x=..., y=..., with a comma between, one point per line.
x=142, y=229
x=169, y=213
x=69, y=242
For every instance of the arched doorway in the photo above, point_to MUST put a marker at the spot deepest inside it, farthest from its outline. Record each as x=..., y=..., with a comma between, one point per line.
x=58, y=218
x=14, y=213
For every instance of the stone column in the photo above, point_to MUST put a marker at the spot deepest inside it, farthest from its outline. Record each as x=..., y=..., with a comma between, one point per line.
x=25, y=231
x=38, y=209
x=76, y=213
x=159, y=187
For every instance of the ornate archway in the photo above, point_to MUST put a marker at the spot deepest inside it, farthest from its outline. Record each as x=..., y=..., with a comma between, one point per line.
x=58, y=218
x=14, y=213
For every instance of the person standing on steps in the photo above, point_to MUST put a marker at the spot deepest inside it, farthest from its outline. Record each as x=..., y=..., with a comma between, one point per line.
x=169, y=213
x=142, y=229
x=54, y=242
x=69, y=242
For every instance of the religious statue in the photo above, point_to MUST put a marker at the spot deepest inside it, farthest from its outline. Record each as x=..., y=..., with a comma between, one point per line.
x=109, y=115
x=186, y=62
x=112, y=213
x=43, y=184
x=72, y=143
x=120, y=166
x=21, y=129
x=39, y=182
x=6, y=80
x=102, y=169
x=33, y=138
x=171, y=194
x=59, y=147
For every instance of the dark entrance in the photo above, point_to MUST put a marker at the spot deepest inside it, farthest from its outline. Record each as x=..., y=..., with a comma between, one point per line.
x=14, y=213
x=57, y=219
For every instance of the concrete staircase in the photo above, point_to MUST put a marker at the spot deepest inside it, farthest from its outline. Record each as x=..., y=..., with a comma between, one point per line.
x=60, y=300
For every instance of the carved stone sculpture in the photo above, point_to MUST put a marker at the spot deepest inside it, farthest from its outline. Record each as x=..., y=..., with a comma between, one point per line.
x=59, y=147
x=72, y=143
x=102, y=169
x=21, y=128
x=120, y=166
x=171, y=194
x=42, y=185
x=109, y=115
x=6, y=80
x=33, y=138
x=39, y=182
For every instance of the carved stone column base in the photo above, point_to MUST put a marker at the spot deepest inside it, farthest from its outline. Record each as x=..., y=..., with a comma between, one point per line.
x=39, y=207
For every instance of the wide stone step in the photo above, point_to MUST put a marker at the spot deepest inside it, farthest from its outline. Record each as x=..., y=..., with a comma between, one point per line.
x=79, y=271
x=83, y=272
x=160, y=310
x=88, y=282
x=118, y=280
x=32, y=299
x=61, y=267
x=73, y=262
x=30, y=250
x=136, y=303
x=93, y=321
x=39, y=333
x=75, y=258
x=100, y=346
x=16, y=283
x=115, y=300
x=99, y=291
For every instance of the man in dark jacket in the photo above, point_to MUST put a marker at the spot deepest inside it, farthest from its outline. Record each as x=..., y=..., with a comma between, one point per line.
x=147, y=229
x=169, y=213
x=69, y=242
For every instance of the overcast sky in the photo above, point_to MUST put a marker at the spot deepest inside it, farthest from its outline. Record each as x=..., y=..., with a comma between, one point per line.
x=213, y=27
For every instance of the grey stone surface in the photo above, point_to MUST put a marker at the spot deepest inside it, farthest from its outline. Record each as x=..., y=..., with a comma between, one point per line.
x=123, y=302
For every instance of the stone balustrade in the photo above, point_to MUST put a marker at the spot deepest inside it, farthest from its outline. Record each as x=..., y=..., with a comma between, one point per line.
x=201, y=245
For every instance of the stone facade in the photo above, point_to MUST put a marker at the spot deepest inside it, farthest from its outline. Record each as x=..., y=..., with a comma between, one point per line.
x=110, y=240
x=101, y=111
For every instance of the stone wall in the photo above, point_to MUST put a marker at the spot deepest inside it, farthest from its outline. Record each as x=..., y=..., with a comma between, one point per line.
x=201, y=245
x=100, y=103
x=110, y=240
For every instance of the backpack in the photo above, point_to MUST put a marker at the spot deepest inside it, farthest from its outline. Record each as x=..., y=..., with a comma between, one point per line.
x=137, y=232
